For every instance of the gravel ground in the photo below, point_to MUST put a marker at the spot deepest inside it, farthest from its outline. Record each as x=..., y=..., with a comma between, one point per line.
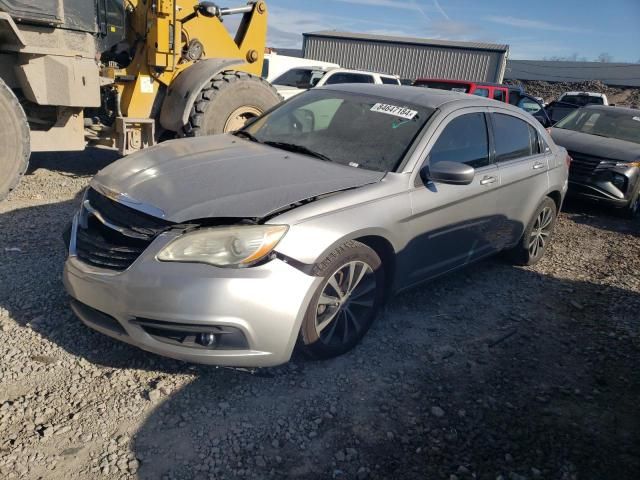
x=494, y=372
x=624, y=97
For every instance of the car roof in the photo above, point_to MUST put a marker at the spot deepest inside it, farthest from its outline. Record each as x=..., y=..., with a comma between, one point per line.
x=463, y=82
x=425, y=97
x=366, y=72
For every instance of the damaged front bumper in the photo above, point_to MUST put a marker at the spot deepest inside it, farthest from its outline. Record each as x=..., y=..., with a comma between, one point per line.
x=247, y=317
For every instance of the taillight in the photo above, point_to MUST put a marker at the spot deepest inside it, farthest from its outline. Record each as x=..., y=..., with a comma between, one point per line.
x=568, y=159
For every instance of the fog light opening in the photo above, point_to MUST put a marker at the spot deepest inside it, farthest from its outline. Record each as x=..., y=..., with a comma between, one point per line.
x=208, y=340
x=620, y=181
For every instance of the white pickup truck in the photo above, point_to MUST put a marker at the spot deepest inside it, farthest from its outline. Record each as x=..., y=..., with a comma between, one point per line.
x=275, y=65
x=298, y=80
x=584, y=98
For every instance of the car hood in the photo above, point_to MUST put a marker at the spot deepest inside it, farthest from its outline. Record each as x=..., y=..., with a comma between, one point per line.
x=595, y=146
x=222, y=177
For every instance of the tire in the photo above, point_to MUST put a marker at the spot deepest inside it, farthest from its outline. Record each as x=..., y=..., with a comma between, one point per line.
x=228, y=99
x=15, y=140
x=632, y=210
x=331, y=329
x=539, y=230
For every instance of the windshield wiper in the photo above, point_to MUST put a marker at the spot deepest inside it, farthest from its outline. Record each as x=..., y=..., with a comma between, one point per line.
x=291, y=147
x=247, y=135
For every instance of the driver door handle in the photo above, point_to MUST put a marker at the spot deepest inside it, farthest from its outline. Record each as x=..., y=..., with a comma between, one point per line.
x=538, y=165
x=488, y=180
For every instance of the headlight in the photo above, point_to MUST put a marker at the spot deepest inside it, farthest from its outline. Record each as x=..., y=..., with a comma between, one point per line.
x=238, y=246
x=628, y=165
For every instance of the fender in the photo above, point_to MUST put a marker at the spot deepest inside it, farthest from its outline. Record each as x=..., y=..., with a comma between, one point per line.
x=184, y=90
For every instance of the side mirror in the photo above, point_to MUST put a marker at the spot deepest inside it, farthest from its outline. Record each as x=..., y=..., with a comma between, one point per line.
x=452, y=173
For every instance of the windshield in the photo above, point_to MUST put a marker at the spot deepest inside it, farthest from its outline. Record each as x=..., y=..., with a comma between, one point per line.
x=357, y=130
x=611, y=123
x=582, y=100
x=300, y=77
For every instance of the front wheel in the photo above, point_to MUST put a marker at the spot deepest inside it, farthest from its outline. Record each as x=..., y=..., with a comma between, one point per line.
x=14, y=139
x=346, y=303
x=632, y=210
x=537, y=235
x=228, y=102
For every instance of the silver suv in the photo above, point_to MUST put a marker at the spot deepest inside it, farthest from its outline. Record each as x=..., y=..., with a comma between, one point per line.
x=232, y=249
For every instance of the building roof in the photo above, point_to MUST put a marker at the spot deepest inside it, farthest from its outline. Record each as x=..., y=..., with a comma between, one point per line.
x=409, y=40
x=621, y=74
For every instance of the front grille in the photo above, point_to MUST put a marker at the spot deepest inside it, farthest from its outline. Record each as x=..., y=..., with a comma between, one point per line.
x=583, y=166
x=116, y=235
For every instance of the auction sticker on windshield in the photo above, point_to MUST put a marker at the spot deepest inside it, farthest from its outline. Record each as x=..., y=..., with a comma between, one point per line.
x=402, y=112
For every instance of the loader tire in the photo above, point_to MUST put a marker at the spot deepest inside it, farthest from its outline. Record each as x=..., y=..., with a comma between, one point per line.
x=15, y=141
x=228, y=101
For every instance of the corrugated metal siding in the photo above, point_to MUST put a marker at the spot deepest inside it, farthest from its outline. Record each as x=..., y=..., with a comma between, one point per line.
x=407, y=61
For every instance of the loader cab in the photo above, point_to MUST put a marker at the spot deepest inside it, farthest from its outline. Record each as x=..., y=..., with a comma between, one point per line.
x=103, y=18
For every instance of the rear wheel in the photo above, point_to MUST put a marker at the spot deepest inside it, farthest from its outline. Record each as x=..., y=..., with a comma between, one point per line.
x=346, y=303
x=228, y=102
x=15, y=140
x=537, y=235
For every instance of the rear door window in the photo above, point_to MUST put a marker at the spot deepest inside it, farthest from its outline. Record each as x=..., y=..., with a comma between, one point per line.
x=463, y=140
x=498, y=95
x=582, y=100
x=345, y=77
x=512, y=137
x=481, y=92
x=390, y=81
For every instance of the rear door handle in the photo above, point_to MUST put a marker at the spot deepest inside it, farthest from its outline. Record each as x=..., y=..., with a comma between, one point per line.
x=488, y=180
x=538, y=165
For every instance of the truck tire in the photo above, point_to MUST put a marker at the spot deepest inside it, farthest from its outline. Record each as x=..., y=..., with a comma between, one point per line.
x=15, y=141
x=228, y=101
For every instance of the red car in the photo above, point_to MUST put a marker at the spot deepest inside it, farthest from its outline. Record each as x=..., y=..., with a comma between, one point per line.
x=497, y=91
x=503, y=93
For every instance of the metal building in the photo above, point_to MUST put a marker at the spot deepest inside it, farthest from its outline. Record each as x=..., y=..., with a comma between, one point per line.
x=410, y=58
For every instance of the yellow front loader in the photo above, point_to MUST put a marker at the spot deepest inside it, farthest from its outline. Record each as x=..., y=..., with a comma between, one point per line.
x=124, y=73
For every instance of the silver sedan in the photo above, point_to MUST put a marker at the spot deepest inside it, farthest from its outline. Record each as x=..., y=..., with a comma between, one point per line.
x=233, y=249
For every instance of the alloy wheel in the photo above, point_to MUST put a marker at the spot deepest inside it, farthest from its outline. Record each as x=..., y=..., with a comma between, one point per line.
x=541, y=232
x=346, y=299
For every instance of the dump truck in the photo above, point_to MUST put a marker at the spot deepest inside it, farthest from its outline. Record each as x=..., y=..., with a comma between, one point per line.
x=125, y=74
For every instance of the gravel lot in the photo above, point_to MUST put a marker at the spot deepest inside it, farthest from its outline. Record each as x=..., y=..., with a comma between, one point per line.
x=494, y=372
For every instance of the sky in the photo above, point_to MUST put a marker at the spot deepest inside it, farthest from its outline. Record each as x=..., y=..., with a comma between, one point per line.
x=534, y=29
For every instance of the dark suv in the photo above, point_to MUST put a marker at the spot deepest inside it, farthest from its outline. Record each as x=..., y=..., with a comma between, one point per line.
x=604, y=143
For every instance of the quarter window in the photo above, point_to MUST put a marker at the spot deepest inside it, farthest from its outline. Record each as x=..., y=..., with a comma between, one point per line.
x=463, y=140
x=345, y=77
x=512, y=137
x=535, y=141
